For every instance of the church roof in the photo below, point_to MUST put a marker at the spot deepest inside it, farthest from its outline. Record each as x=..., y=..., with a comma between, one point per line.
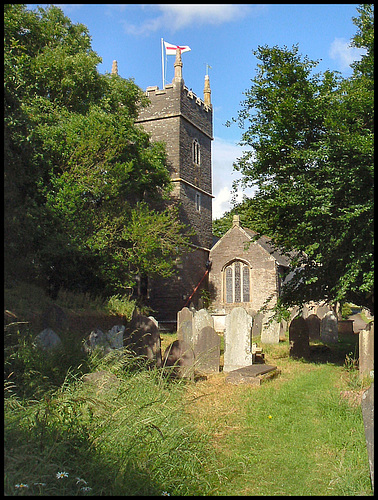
x=264, y=241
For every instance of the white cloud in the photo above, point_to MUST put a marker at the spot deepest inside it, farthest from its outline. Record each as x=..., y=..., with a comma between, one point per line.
x=178, y=16
x=224, y=154
x=344, y=54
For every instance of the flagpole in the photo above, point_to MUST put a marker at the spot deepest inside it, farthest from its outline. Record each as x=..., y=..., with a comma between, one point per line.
x=162, y=61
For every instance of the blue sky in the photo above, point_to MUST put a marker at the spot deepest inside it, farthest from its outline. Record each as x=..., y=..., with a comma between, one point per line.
x=223, y=36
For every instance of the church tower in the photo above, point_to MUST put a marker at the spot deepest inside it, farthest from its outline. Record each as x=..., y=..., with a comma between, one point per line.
x=184, y=122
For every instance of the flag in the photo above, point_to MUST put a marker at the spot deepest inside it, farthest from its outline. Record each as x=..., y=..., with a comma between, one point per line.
x=170, y=49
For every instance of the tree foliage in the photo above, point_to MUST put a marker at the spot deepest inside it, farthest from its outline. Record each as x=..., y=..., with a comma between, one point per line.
x=85, y=188
x=312, y=163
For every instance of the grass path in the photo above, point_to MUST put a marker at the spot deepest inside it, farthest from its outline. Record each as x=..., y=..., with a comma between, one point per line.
x=293, y=435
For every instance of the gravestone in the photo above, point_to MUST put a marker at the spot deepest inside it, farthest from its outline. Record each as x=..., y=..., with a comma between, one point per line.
x=237, y=340
x=298, y=338
x=201, y=319
x=270, y=331
x=257, y=325
x=179, y=357
x=115, y=336
x=96, y=339
x=185, y=325
x=328, y=328
x=313, y=325
x=48, y=339
x=207, y=351
x=183, y=316
x=143, y=338
x=367, y=407
x=321, y=311
x=366, y=351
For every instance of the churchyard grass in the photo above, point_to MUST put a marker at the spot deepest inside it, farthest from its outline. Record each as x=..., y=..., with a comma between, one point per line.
x=300, y=433
x=136, y=432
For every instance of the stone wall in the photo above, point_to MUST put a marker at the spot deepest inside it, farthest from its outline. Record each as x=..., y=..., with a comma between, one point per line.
x=262, y=271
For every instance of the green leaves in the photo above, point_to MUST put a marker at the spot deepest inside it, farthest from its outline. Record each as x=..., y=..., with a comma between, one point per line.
x=312, y=161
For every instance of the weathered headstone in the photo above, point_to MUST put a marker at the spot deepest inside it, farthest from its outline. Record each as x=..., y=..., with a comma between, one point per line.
x=96, y=339
x=207, y=351
x=115, y=336
x=298, y=338
x=367, y=407
x=143, y=338
x=48, y=339
x=183, y=316
x=179, y=356
x=201, y=319
x=237, y=340
x=185, y=325
x=328, y=328
x=313, y=324
x=270, y=331
x=321, y=311
x=366, y=351
x=257, y=325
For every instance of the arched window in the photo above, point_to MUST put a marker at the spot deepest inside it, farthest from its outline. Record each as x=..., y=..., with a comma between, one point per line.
x=196, y=154
x=237, y=282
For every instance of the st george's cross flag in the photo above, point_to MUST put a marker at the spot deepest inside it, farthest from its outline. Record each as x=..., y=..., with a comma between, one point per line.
x=170, y=48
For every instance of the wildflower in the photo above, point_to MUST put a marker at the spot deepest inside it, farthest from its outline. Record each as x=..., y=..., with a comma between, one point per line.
x=79, y=480
x=270, y=416
x=21, y=485
x=165, y=494
x=39, y=484
x=85, y=488
x=59, y=475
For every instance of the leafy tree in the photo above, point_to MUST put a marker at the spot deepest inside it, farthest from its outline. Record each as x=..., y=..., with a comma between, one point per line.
x=81, y=178
x=312, y=162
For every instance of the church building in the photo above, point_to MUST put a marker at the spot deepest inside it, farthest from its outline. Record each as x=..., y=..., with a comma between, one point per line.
x=184, y=122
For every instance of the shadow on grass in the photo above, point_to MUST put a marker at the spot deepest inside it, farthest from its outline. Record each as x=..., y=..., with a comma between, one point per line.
x=347, y=345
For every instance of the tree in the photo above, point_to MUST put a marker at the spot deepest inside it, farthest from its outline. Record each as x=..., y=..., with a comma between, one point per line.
x=80, y=175
x=312, y=162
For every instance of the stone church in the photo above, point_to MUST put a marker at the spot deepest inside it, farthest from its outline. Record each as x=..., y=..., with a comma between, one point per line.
x=184, y=122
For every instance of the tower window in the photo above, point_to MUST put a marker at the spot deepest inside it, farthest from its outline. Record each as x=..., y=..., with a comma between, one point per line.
x=196, y=154
x=237, y=282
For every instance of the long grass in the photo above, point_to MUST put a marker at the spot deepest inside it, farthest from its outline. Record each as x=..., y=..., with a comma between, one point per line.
x=109, y=425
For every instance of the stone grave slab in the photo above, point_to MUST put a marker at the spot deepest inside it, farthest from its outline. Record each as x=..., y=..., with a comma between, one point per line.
x=253, y=374
x=201, y=319
x=270, y=332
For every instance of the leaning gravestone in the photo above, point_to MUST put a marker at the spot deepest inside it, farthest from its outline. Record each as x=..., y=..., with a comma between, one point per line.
x=313, y=324
x=257, y=325
x=298, y=338
x=143, y=338
x=48, y=339
x=179, y=356
x=328, y=328
x=207, y=351
x=237, y=340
